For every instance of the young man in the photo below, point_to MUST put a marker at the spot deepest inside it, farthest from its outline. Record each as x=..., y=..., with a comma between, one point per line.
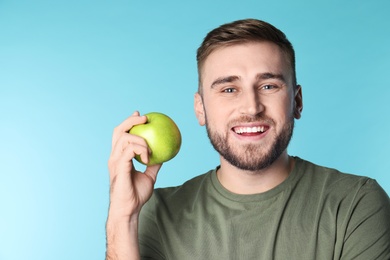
x=260, y=203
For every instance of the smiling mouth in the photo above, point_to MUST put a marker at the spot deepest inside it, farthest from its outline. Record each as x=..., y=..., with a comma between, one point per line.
x=250, y=130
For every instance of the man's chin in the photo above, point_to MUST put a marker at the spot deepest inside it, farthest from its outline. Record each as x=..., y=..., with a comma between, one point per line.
x=249, y=161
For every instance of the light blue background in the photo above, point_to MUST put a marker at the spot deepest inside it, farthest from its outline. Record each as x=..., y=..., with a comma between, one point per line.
x=70, y=71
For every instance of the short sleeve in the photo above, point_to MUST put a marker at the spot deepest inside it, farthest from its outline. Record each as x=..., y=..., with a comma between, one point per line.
x=148, y=232
x=368, y=229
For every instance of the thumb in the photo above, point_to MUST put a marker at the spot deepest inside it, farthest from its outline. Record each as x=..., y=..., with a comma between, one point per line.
x=152, y=171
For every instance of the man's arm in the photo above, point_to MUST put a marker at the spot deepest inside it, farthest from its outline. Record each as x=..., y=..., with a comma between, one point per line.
x=122, y=239
x=129, y=190
x=368, y=231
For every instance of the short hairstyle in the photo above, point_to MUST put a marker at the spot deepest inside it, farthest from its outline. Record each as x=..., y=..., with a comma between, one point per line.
x=243, y=31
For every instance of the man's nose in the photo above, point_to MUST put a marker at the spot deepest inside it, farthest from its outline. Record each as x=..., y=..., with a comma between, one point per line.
x=250, y=103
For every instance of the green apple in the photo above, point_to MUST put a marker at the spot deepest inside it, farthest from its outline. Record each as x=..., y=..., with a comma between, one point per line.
x=162, y=136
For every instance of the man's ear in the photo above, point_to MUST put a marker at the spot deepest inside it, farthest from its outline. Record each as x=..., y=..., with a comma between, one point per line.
x=199, y=109
x=298, y=102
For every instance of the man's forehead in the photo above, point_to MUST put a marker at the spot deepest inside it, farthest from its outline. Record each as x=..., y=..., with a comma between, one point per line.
x=265, y=59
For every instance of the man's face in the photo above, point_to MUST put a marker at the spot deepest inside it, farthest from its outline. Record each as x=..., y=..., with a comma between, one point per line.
x=248, y=103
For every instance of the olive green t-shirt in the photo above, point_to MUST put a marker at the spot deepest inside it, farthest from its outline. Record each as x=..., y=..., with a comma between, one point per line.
x=316, y=213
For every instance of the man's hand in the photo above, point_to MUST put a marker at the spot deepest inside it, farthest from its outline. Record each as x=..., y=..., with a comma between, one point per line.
x=129, y=189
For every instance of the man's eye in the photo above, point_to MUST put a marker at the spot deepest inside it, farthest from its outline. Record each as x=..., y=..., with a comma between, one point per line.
x=268, y=87
x=229, y=90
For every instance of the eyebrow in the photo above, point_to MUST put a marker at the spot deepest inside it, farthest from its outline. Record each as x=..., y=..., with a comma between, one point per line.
x=260, y=76
x=268, y=75
x=223, y=80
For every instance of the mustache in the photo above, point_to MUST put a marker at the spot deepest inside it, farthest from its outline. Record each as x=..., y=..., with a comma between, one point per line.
x=252, y=119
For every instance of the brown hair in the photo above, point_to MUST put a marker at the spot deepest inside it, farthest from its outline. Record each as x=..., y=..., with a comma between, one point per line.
x=243, y=31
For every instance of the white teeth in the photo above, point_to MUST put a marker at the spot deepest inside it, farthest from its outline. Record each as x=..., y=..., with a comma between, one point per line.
x=255, y=129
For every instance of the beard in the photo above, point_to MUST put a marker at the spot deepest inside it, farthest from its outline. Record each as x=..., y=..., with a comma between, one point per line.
x=252, y=157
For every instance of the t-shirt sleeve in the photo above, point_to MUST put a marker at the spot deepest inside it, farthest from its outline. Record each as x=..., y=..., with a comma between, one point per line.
x=368, y=229
x=148, y=232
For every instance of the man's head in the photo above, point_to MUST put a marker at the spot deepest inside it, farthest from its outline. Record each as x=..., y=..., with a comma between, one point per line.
x=243, y=31
x=248, y=95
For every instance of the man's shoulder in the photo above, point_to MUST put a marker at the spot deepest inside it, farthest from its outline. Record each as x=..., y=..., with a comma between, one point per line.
x=330, y=180
x=328, y=175
x=185, y=191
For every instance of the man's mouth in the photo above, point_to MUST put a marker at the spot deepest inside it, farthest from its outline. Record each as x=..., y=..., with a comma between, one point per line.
x=250, y=130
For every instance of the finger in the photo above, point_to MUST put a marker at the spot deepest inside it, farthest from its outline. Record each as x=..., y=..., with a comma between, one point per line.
x=152, y=171
x=124, y=141
x=128, y=123
x=133, y=149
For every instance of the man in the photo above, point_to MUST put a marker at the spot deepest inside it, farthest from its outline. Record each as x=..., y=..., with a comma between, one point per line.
x=260, y=203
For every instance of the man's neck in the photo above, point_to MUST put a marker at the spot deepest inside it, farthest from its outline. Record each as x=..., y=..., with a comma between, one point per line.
x=252, y=182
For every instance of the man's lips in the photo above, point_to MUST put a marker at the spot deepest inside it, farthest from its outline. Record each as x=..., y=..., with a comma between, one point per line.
x=250, y=129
